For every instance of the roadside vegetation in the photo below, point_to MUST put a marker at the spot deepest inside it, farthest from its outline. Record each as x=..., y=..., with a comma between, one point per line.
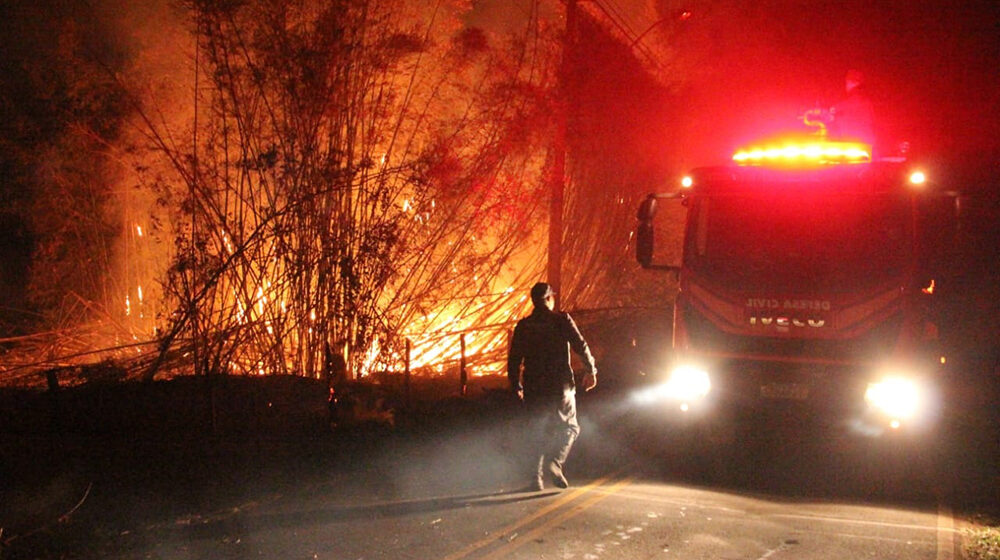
x=982, y=542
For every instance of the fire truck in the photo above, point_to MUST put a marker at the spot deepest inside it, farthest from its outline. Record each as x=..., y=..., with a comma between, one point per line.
x=803, y=284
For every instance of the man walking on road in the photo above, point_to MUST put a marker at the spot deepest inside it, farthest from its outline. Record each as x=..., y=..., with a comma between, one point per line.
x=546, y=384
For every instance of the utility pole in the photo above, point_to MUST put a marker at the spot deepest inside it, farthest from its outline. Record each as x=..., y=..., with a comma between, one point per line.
x=557, y=177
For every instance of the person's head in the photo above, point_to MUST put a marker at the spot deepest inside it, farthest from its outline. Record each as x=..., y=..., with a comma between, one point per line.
x=853, y=80
x=542, y=295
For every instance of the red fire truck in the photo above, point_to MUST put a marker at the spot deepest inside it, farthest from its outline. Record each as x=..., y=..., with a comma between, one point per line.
x=802, y=283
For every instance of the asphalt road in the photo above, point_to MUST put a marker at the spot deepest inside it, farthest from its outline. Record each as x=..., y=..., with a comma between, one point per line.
x=454, y=488
x=612, y=517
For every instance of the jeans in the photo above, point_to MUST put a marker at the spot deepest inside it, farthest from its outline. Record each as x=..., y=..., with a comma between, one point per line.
x=553, y=429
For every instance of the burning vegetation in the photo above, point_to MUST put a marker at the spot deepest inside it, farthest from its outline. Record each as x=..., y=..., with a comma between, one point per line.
x=363, y=179
x=341, y=177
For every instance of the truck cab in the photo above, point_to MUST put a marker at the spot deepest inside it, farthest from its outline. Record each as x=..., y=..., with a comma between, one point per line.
x=802, y=284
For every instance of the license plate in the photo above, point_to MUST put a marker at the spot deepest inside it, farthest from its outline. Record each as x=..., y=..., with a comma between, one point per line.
x=790, y=391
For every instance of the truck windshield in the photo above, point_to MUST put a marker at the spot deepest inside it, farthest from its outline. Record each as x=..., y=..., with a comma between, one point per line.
x=799, y=242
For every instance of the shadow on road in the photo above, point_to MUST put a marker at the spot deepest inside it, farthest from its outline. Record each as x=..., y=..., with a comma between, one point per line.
x=218, y=528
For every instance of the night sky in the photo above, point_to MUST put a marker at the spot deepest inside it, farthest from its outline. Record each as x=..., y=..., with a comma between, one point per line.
x=931, y=67
x=741, y=70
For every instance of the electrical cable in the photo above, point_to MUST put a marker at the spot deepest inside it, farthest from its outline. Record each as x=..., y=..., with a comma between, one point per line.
x=629, y=34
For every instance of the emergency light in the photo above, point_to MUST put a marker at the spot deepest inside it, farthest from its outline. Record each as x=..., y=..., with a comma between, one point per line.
x=816, y=152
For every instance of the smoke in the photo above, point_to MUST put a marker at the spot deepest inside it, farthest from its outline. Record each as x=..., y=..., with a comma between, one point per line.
x=750, y=69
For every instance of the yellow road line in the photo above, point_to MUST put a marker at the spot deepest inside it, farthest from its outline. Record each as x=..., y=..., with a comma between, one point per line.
x=945, y=534
x=510, y=547
x=563, y=500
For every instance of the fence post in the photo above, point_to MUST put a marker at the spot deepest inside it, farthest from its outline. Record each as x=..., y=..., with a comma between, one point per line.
x=510, y=340
x=406, y=376
x=52, y=380
x=55, y=409
x=462, y=373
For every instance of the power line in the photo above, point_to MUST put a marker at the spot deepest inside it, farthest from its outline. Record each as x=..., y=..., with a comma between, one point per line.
x=622, y=15
x=629, y=34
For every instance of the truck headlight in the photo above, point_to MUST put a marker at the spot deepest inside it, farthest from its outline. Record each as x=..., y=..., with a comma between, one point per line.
x=896, y=397
x=686, y=385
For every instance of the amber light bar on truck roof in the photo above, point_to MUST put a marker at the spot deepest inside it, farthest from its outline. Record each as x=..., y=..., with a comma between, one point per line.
x=805, y=154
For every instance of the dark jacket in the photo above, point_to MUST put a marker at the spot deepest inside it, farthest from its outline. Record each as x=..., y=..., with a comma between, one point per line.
x=542, y=342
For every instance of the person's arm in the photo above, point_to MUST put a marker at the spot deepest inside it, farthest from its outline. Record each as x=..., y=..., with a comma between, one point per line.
x=579, y=345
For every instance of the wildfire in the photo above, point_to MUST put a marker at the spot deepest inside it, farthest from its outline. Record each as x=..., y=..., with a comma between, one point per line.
x=437, y=341
x=244, y=254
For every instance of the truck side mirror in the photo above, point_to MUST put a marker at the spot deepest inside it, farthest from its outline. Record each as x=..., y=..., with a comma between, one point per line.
x=644, y=243
x=644, y=232
x=647, y=210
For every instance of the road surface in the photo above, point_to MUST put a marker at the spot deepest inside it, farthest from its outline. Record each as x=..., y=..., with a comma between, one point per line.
x=456, y=490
